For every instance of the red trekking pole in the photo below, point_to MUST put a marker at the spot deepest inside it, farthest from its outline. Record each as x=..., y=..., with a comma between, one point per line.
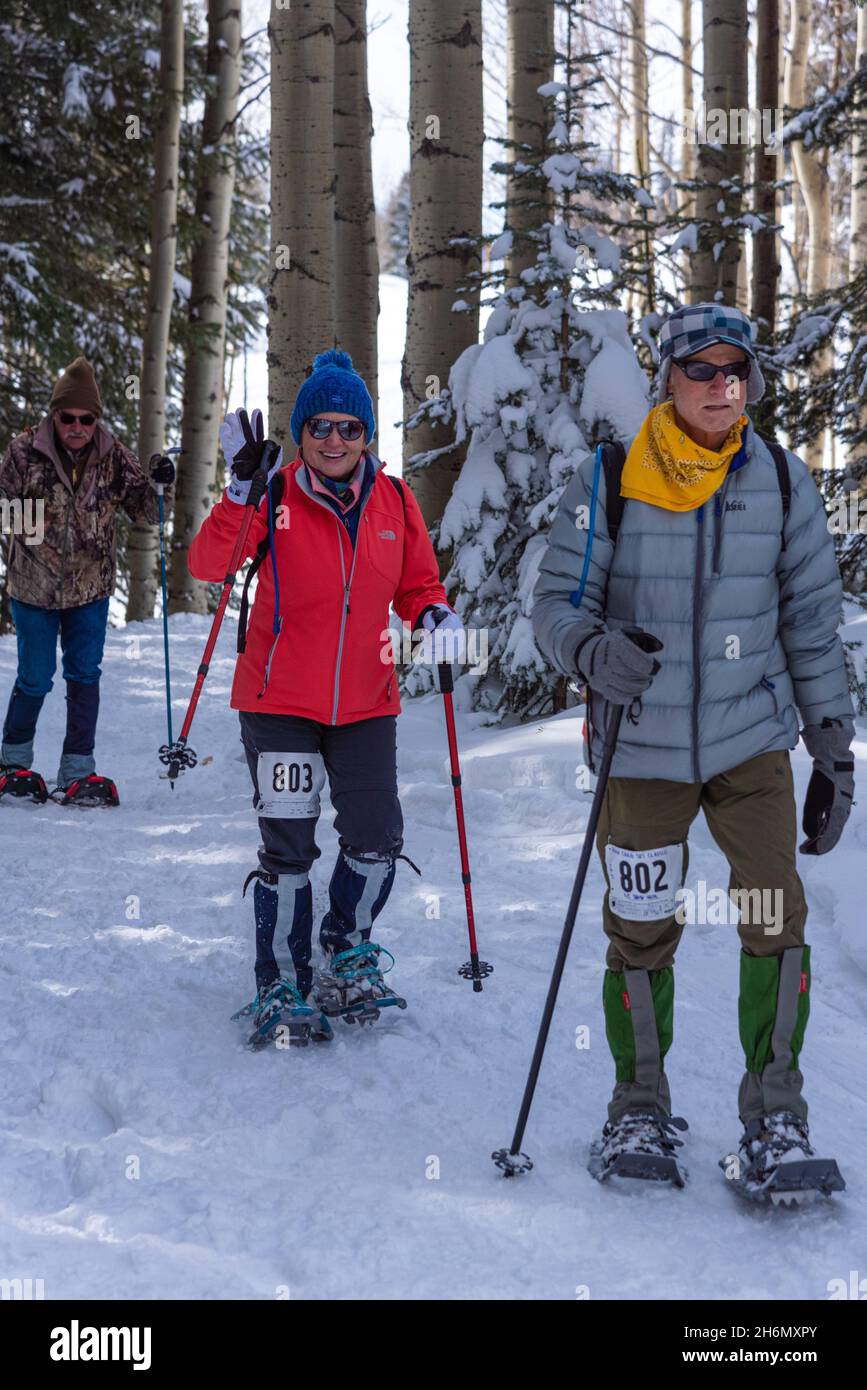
x=474, y=969
x=177, y=756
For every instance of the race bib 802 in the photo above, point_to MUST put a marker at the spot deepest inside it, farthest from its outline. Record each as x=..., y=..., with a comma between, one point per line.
x=644, y=882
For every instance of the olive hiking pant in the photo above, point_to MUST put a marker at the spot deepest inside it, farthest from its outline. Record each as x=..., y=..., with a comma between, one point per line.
x=642, y=842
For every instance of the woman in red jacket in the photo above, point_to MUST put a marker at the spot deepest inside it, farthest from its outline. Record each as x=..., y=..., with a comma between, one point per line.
x=316, y=688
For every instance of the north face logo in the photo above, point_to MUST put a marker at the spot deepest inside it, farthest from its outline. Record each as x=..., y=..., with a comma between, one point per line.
x=736, y=506
x=387, y=536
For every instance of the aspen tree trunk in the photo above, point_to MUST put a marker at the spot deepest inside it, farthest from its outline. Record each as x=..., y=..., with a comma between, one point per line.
x=617, y=153
x=640, y=116
x=640, y=133
x=530, y=64
x=725, y=90
x=142, y=547
x=446, y=189
x=766, y=170
x=858, y=206
x=356, y=307
x=203, y=380
x=811, y=172
x=301, y=287
x=687, y=163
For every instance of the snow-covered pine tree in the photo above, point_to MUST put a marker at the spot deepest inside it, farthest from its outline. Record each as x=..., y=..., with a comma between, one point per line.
x=555, y=374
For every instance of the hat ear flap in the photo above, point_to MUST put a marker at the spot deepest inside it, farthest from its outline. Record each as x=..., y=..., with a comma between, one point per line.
x=755, y=383
x=663, y=387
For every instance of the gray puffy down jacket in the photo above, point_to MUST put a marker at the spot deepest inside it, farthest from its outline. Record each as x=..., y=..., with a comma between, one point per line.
x=749, y=626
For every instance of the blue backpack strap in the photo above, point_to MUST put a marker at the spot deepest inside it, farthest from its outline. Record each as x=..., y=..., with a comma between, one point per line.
x=577, y=594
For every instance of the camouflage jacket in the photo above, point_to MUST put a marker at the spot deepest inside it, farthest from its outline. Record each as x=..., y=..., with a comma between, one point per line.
x=71, y=557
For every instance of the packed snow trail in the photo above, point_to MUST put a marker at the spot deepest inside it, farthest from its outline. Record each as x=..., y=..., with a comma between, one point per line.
x=146, y=1153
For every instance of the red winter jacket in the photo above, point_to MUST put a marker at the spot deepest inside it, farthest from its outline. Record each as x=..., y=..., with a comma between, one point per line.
x=326, y=661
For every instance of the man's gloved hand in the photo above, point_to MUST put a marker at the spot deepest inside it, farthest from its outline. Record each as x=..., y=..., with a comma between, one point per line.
x=832, y=785
x=616, y=666
x=449, y=639
x=161, y=471
x=244, y=445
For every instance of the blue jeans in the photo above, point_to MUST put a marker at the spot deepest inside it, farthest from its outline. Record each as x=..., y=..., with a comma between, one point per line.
x=82, y=638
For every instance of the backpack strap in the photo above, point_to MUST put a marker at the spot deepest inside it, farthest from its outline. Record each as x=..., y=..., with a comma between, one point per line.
x=613, y=459
x=398, y=487
x=784, y=479
x=275, y=495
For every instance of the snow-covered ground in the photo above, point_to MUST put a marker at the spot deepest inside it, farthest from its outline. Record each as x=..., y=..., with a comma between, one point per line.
x=144, y=1152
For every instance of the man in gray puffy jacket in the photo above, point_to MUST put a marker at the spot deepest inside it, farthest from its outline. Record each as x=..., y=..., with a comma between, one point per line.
x=743, y=593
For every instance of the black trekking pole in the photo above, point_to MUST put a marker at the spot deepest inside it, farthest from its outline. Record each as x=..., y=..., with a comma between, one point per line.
x=511, y=1160
x=160, y=489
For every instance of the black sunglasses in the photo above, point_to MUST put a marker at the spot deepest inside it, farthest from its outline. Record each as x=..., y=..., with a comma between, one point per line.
x=67, y=419
x=706, y=371
x=347, y=429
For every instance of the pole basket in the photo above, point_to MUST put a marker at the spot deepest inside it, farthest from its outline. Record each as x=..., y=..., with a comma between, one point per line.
x=476, y=970
x=511, y=1164
x=177, y=757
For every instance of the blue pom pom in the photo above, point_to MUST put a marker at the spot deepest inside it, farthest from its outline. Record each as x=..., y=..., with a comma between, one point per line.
x=333, y=358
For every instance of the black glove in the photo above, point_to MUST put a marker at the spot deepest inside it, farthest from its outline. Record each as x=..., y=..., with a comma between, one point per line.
x=161, y=471
x=832, y=785
x=255, y=447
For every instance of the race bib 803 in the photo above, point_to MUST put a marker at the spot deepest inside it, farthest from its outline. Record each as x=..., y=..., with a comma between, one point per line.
x=289, y=785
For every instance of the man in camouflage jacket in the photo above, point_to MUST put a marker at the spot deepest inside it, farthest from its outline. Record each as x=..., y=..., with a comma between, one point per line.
x=69, y=476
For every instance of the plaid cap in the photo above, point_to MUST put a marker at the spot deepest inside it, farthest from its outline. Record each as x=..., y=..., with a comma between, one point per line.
x=697, y=326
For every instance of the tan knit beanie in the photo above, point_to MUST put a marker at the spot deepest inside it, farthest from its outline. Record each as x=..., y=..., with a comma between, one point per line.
x=76, y=389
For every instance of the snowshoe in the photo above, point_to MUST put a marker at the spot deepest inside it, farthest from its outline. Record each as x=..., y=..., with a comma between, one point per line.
x=776, y=1164
x=21, y=781
x=638, y=1145
x=353, y=987
x=87, y=791
x=281, y=1016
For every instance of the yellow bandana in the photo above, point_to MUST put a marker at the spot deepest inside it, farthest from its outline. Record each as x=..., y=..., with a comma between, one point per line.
x=668, y=469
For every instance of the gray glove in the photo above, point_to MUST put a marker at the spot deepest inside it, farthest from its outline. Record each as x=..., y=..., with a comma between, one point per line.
x=832, y=785
x=618, y=667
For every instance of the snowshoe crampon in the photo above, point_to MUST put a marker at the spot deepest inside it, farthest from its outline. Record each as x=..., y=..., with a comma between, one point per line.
x=776, y=1164
x=281, y=1017
x=639, y=1145
x=20, y=781
x=353, y=987
x=88, y=791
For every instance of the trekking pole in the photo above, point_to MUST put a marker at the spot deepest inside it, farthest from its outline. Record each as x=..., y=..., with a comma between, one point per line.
x=512, y=1161
x=177, y=756
x=160, y=489
x=473, y=969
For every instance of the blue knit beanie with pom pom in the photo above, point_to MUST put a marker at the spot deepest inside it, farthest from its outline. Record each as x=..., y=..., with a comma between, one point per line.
x=334, y=386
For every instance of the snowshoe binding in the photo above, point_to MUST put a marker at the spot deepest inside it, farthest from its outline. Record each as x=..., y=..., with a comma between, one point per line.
x=353, y=987
x=776, y=1164
x=281, y=1016
x=639, y=1145
x=87, y=791
x=21, y=781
